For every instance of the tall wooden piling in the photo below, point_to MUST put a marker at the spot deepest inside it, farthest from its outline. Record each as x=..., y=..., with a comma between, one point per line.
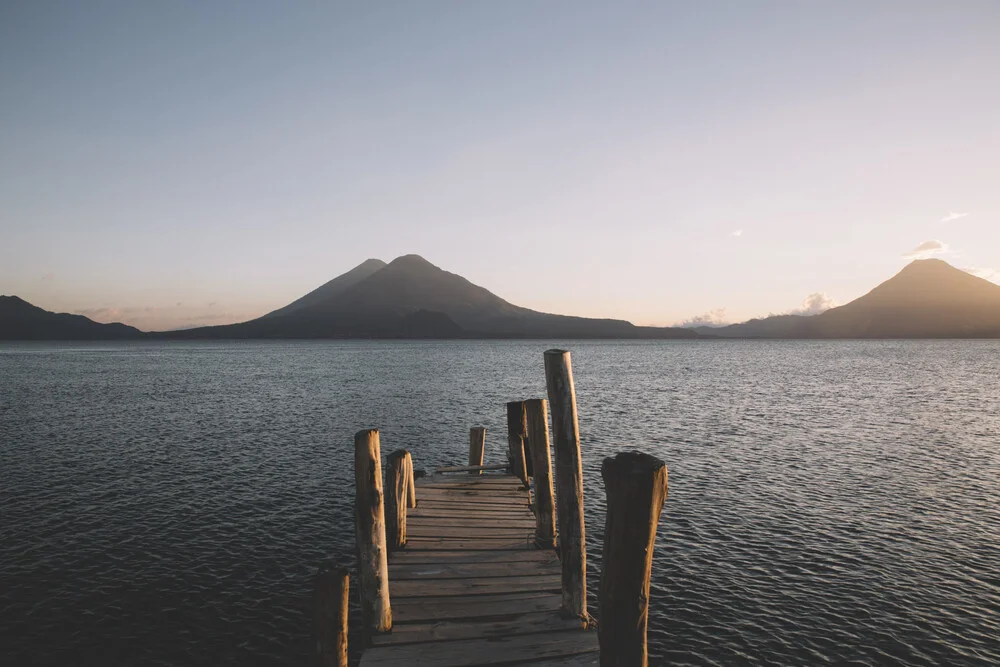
x=330, y=596
x=397, y=490
x=636, y=487
x=369, y=513
x=538, y=436
x=411, y=488
x=477, y=445
x=517, y=434
x=569, y=481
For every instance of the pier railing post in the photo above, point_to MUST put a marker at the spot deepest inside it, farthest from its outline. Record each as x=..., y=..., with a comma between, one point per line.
x=330, y=596
x=517, y=433
x=397, y=490
x=411, y=487
x=538, y=439
x=477, y=445
x=569, y=481
x=636, y=487
x=369, y=513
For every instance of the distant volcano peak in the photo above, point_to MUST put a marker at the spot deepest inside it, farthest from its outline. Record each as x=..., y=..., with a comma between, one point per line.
x=411, y=261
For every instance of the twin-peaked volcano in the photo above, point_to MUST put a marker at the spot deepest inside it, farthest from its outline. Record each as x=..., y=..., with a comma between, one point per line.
x=410, y=297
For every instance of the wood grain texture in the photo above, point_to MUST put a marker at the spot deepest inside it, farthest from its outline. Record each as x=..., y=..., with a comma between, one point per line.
x=543, y=501
x=396, y=492
x=477, y=446
x=369, y=512
x=330, y=604
x=636, y=487
x=517, y=435
x=569, y=481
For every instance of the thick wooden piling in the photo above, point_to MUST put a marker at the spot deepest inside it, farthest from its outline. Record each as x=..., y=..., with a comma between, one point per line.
x=517, y=434
x=636, y=487
x=397, y=490
x=569, y=481
x=477, y=445
x=330, y=596
x=411, y=489
x=369, y=513
x=538, y=437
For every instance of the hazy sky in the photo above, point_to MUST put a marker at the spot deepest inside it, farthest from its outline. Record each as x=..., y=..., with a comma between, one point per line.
x=171, y=163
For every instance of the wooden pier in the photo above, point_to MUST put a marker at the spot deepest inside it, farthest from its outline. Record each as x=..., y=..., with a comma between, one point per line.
x=470, y=588
x=464, y=568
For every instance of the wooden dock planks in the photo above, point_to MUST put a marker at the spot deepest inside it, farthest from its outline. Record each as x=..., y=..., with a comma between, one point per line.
x=471, y=589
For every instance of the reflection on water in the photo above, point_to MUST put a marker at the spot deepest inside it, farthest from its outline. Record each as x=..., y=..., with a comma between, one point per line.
x=829, y=501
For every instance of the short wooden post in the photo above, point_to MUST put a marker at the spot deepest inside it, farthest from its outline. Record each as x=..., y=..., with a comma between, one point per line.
x=636, y=486
x=569, y=482
x=477, y=445
x=411, y=488
x=330, y=595
x=517, y=434
x=538, y=436
x=396, y=491
x=369, y=513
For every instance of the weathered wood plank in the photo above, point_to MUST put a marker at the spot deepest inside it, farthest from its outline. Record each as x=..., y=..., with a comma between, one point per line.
x=485, y=482
x=452, y=556
x=413, y=610
x=474, y=586
x=482, y=651
x=520, y=624
x=585, y=660
x=429, y=523
x=483, y=571
x=469, y=532
x=440, y=491
x=470, y=544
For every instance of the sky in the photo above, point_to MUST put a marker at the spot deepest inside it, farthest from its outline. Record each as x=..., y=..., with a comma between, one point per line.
x=171, y=164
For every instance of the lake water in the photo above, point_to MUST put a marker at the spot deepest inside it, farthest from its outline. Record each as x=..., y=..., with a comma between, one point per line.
x=830, y=502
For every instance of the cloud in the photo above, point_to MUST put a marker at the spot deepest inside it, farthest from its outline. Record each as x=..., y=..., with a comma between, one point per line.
x=814, y=304
x=108, y=314
x=992, y=275
x=953, y=216
x=927, y=249
x=162, y=318
x=738, y=232
x=713, y=318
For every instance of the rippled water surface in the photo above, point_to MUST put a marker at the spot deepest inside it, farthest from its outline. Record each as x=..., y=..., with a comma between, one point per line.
x=830, y=502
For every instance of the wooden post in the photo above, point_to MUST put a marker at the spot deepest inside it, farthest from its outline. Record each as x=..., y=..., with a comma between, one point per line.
x=411, y=488
x=396, y=491
x=369, y=514
x=569, y=482
x=517, y=434
x=477, y=444
x=330, y=595
x=636, y=486
x=538, y=435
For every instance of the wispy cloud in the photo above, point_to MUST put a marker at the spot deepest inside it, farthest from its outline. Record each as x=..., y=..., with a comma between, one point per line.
x=814, y=304
x=713, y=318
x=992, y=275
x=927, y=249
x=953, y=216
x=738, y=232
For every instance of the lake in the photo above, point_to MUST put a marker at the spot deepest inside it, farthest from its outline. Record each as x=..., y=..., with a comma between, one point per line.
x=830, y=501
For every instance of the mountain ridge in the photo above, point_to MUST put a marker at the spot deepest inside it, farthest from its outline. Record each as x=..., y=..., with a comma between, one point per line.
x=20, y=320
x=928, y=298
x=412, y=298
